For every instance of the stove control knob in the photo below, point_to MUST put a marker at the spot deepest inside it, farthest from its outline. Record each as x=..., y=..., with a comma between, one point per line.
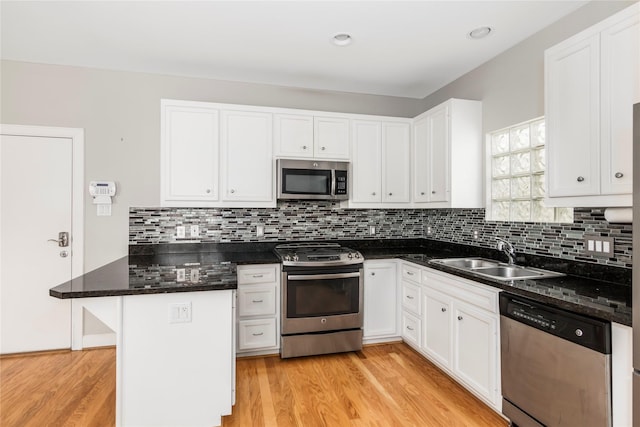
x=357, y=255
x=350, y=255
x=287, y=257
x=295, y=257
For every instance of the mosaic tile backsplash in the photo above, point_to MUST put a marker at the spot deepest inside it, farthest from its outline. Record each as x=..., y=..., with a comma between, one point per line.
x=326, y=220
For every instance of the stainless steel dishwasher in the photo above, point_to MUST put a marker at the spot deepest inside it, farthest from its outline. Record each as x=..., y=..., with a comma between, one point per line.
x=556, y=366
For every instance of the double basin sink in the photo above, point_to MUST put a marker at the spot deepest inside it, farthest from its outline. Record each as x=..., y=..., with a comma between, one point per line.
x=495, y=269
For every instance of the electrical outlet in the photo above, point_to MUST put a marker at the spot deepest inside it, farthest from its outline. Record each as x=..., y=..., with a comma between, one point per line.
x=476, y=234
x=181, y=275
x=260, y=230
x=372, y=230
x=194, y=230
x=180, y=312
x=180, y=232
x=429, y=230
x=194, y=275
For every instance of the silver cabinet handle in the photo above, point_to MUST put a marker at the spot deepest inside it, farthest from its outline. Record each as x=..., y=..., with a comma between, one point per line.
x=373, y=273
x=323, y=148
x=410, y=328
x=410, y=273
x=257, y=300
x=443, y=309
x=62, y=240
x=257, y=335
x=257, y=276
x=304, y=147
x=619, y=175
x=324, y=276
x=459, y=317
x=391, y=194
x=580, y=179
x=409, y=297
x=373, y=194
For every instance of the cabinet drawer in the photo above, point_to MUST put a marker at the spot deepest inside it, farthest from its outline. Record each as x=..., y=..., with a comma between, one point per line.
x=411, y=329
x=254, y=334
x=260, y=274
x=482, y=296
x=410, y=273
x=256, y=300
x=411, y=297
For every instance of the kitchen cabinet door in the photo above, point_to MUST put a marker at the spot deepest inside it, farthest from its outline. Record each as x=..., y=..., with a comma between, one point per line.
x=189, y=155
x=247, y=157
x=438, y=148
x=396, y=162
x=380, y=300
x=572, y=78
x=620, y=89
x=293, y=135
x=331, y=138
x=475, y=341
x=436, y=327
x=367, y=159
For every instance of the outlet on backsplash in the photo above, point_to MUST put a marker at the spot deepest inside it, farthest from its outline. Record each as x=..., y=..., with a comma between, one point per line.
x=429, y=230
x=180, y=232
x=476, y=234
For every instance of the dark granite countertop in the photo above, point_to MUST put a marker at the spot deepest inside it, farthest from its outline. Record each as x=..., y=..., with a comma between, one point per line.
x=595, y=290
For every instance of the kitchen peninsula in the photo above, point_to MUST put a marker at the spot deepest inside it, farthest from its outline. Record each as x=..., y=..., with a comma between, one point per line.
x=173, y=315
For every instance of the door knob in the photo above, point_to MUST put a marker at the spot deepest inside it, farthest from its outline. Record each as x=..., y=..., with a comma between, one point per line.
x=62, y=240
x=580, y=179
x=619, y=175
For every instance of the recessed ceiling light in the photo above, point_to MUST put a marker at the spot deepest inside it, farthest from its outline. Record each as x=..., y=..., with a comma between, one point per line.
x=342, y=39
x=480, y=33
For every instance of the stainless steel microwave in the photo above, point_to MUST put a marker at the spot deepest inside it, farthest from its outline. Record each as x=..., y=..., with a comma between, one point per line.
x=312, y=179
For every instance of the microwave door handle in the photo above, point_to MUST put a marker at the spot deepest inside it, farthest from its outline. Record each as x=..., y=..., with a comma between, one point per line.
x=333, y=182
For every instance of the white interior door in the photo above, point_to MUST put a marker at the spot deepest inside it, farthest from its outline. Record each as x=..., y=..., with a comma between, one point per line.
x=36, y=184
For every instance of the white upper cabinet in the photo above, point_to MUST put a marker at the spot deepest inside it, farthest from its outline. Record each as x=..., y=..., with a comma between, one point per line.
x=189, y=154
x=307, y=136
x=381, y=163
x=448, y=156
x=246, y=156
x=591, y=84
x=205, y=144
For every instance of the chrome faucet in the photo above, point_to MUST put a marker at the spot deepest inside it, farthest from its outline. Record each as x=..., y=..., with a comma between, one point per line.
x=508, y=249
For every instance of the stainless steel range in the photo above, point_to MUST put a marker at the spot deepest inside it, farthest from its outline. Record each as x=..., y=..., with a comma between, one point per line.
x=322, y=294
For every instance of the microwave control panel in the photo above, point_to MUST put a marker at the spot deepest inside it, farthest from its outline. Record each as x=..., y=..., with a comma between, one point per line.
x=341, y=182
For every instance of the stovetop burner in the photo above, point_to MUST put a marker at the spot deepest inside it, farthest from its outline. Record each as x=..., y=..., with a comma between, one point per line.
x=317, y=254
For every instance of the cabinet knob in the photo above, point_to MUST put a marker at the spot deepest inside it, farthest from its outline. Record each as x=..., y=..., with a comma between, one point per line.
x=373, y=194
x=619, y=175
x=422, y=193
x=232, y=191
x=459, y=317
x=208, y=190
x=304, y=147
x=323, y=148
x=580, y=179
x=373, y=273
x=433, y=191
x=443, y=309
x=391, y=194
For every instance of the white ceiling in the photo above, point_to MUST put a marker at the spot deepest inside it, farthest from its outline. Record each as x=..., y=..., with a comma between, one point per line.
x=400, y=48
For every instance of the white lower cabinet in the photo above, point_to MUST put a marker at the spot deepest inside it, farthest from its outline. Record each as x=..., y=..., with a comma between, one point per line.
x=380, y=301
x=455, y=325
x=258, y=309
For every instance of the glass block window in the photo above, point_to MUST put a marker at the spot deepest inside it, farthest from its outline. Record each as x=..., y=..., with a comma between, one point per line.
x=516, y=165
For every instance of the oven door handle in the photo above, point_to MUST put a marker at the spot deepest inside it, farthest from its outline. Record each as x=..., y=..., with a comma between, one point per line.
x=322, y=276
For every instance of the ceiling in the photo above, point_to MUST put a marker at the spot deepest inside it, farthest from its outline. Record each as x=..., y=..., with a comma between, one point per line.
x=400, y=48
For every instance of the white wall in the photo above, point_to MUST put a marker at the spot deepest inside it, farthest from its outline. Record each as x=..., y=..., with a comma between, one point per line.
x=120, y=112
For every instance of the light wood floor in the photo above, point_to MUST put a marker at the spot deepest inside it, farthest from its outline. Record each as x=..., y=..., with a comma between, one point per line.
x=385, y=385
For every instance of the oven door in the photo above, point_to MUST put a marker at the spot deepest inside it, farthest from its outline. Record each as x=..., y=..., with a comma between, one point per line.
x=322, y=300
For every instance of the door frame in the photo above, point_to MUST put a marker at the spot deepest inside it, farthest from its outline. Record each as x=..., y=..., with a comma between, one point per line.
x=77, y=186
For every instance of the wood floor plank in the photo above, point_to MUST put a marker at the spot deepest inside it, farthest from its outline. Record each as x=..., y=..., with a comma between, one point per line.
x=381, y=386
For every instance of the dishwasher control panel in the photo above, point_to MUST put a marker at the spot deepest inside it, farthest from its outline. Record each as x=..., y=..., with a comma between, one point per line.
x=580, y=329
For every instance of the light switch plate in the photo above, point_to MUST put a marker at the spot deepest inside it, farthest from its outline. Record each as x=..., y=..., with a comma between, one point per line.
x=598, y=246
x=180, y=312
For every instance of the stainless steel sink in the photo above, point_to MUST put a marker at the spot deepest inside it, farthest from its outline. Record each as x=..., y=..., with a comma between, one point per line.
x=495, y=269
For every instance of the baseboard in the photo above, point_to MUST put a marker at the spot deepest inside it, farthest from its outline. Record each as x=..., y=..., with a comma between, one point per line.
x=99, y=340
